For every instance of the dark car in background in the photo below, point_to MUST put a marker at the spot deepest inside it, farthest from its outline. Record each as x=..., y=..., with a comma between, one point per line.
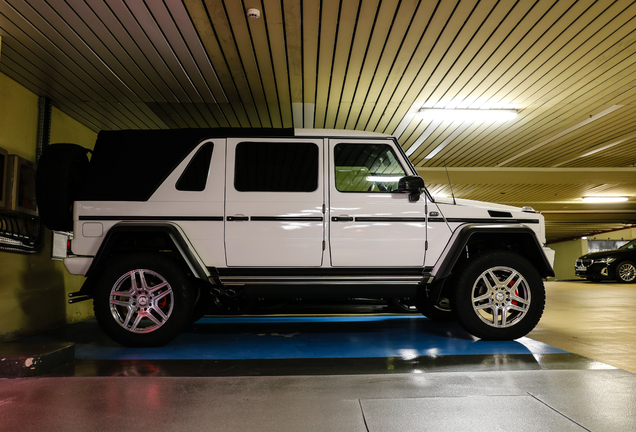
x=618, y=264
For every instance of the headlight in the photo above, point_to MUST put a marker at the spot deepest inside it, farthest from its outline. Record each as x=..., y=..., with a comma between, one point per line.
x=605, y=260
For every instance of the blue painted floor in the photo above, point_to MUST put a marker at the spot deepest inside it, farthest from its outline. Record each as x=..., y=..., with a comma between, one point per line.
x=300, y=337
x=306, y=344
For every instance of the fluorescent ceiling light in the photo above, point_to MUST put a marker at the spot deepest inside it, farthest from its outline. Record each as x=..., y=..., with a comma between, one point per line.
x=470, y=115
x=604, y=199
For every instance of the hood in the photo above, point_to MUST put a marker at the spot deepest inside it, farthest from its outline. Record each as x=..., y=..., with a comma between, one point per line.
x=604, y=254
x=478, y=204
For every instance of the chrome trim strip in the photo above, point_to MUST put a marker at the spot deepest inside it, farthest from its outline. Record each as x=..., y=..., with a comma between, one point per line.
x=390, y=219
x=149, y=218
x=485, y=220
x=320, y=280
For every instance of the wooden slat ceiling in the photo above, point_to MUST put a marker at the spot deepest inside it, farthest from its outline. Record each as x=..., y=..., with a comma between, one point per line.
x=567, y=66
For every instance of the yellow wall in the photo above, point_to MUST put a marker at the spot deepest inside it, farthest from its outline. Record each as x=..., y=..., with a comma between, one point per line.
x=33, y=288
x=565, y=256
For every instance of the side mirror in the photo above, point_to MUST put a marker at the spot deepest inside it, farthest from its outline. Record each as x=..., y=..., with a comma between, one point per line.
x=412, y=185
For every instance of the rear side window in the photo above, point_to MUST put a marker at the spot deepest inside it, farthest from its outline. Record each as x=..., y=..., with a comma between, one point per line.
x=195, y=176
x=366, y=168
x=276, y=167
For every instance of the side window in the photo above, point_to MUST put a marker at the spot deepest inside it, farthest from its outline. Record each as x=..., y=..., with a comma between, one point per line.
x=195, y=176
x=366, y=168
x=276, y=167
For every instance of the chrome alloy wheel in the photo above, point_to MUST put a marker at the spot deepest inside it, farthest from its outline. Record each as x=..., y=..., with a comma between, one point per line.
x=627, y=272
x=141, y=301
x=501, y=297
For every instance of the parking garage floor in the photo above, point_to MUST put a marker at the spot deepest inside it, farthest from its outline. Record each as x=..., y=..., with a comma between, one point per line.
x=351, y=367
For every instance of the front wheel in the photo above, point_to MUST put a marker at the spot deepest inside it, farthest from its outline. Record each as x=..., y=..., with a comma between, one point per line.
x=143, y=300
x=499, y=296
x=626, y=272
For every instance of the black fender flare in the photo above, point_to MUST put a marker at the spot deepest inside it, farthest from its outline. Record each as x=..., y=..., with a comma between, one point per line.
x=532, y=249
x=172, y=230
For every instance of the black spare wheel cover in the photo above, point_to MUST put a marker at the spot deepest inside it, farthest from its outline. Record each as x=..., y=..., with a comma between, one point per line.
x=60, y=173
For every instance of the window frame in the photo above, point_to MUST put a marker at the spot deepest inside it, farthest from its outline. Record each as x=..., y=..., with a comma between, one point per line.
x=191, y=164
x=314, y=165
x=393, y=152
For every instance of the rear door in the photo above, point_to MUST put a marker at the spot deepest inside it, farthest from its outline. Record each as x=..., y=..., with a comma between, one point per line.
x=372, y=225
x=274, y=215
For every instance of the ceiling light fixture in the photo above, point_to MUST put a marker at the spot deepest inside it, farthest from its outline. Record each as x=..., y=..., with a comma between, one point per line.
x=438, y=115
x=604, y=199
x=468, y=115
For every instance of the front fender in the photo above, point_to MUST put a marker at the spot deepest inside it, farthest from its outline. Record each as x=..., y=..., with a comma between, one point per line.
x=521, y=236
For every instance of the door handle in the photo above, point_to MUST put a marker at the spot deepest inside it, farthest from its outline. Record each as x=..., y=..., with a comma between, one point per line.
x=238, y=217
x=342, y=218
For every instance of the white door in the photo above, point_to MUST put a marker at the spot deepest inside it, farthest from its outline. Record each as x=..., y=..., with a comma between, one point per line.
x=274, y=215
x=372, y=225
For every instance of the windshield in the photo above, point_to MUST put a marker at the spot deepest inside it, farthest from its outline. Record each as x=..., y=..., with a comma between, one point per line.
x=630, y=245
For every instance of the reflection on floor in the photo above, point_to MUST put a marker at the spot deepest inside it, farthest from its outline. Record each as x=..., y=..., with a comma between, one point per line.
x=283, y=345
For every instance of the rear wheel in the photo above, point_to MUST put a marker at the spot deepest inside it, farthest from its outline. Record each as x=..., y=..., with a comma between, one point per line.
x=499, y=296
x=143, y=300
x=626, y=272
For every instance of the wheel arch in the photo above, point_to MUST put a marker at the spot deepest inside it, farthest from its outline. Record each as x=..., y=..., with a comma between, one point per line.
x=474, y=239
x=127, y=237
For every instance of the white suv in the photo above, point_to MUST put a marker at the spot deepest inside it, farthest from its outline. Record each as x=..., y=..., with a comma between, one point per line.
x=164, y=222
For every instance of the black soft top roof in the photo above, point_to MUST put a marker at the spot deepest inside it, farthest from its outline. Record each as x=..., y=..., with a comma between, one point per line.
x=130, y=165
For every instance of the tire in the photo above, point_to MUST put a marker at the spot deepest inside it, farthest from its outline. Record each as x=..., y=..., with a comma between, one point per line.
x=499, y=296
x=151, y=313
x=626, y=272
x=60, y=174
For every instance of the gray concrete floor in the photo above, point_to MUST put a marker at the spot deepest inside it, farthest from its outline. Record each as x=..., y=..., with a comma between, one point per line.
x=593, y=320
